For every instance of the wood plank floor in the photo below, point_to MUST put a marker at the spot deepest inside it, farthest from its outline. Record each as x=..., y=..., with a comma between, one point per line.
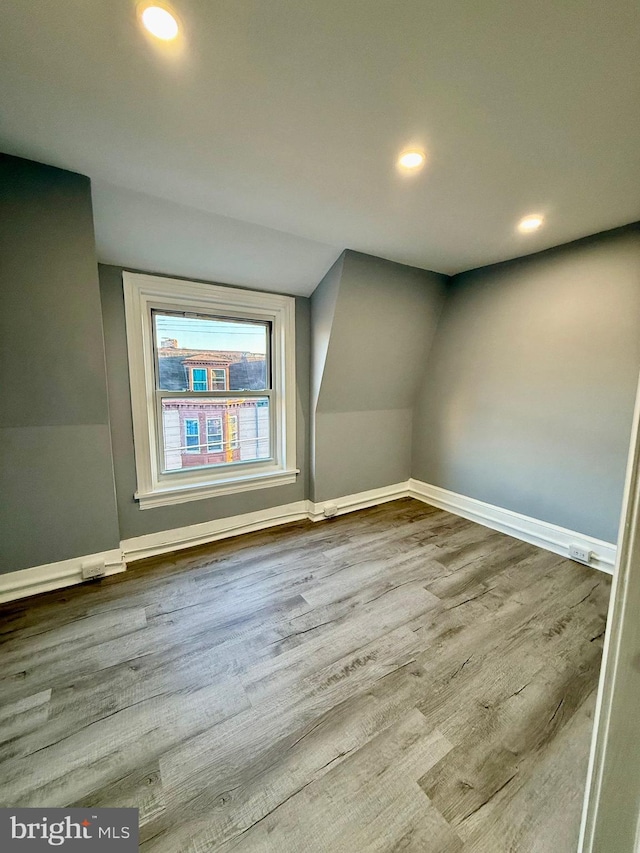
x=397, y=679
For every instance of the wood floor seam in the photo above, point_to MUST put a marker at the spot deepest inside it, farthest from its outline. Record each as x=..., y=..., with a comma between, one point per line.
x=394, y=680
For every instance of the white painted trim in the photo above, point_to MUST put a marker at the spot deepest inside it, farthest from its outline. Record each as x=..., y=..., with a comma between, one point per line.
x=540, y=533
x=361, y=500
x=169, y=497
x=50, y=576
x=166, y=541
x=143, y=292
x=610, y=817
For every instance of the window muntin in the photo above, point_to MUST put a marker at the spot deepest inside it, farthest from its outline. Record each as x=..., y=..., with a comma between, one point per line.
x=214, y=435
x=199, y=379
x=192, y=435
x=218, y=379
x=160, y=378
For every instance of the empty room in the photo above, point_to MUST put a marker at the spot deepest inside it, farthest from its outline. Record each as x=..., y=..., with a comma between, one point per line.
x=320, y=468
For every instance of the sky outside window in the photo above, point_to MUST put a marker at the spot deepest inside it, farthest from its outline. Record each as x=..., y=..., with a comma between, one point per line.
x=205, y=334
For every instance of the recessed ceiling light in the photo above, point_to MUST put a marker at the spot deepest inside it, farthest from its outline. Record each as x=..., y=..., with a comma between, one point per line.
x=412, y=160
x=160, y=23
x=530, y=223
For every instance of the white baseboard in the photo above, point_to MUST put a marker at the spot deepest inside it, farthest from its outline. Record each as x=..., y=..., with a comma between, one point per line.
x=153, y=544
x=540, y=533
x=361, y=500
x=50, y=576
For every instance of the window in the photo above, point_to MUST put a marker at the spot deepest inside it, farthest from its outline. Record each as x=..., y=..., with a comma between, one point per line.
x=218, y=380
x=192, y=435
x=199, y=379
x=233, y=429
x=214, y=435
x=214, y=412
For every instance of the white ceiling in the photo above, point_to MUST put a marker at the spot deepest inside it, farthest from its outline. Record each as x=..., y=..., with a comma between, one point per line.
x=264, y=143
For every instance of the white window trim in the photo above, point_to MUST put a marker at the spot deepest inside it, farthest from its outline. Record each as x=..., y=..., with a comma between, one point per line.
x=213, y=380
x=142, y=293
x=221, y=440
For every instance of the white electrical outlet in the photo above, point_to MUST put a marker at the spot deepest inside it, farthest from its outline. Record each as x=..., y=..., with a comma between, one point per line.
x=93, y=569
x=580, y=553
x=330, y=510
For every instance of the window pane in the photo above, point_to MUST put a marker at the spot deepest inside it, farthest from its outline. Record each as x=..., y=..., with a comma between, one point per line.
x=210, y=354
x=214, y=435
x=192, y=435
x=219, y=380
x=199, y=379
x=233, y=432
x=204, y=432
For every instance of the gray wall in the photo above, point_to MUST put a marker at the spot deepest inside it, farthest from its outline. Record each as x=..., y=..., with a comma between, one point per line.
x=371, y=333
x=137, y=522
x=323, y=306
x=528, y=394
x=523, y=398
x=56, y=472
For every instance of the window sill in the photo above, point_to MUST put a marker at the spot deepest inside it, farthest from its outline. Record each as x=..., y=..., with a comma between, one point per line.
x=166, y=496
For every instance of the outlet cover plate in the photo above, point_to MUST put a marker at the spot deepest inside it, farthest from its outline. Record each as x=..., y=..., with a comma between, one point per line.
x=580, y=553
x=92, y=569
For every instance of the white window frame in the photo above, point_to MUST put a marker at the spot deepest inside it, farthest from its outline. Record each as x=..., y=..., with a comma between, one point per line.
x=144, y=293
x=210, y=445
x=213, y=381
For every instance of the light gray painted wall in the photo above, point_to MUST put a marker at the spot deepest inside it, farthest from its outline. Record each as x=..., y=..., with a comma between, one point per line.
x=528, y=395
x=57, y=486
x=381, y=328
x=323, y=306
x=137, y=522
x=358, y=451
x=524, y=399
